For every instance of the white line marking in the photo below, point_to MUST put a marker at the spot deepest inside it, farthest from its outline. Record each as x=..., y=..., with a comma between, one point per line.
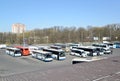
x=101, y=78
x=105, y=77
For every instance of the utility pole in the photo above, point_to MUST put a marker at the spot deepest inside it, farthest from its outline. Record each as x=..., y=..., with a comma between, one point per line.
x=110, y=34
x=23, y=39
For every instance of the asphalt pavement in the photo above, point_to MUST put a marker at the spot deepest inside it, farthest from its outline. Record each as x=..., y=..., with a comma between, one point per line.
x=26, y=68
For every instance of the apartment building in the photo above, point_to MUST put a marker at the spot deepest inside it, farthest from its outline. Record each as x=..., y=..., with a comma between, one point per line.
x=18, y=28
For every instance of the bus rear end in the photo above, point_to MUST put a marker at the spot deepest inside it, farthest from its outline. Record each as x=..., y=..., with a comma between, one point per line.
x=25, y=51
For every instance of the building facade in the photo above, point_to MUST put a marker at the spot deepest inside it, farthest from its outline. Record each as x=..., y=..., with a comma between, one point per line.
x=18, y=28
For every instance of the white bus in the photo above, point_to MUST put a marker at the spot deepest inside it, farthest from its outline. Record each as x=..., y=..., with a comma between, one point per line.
x=100, y=51
x=3, y=46
x=56, y=47
x=74, y=45
x=56, y=54
x=32, y=48
x=90, y=51
x=105, y=47
x=42, y=55
x=78, y=52
x=13, y=51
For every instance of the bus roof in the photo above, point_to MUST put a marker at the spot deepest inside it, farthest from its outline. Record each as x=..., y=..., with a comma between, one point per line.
x=78, y=49
x=21, y=47
x=40, y=51
x=12, y=48
x=86, y=47
x=55, y=50
x=55, y=47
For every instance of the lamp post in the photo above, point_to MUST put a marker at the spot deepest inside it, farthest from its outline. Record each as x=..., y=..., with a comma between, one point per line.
x=23, y=39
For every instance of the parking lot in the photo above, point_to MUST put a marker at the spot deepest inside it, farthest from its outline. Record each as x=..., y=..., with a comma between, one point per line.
x=15, y=65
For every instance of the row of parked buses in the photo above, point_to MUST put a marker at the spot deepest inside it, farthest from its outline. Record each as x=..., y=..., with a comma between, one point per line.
x=38, y=52
x=94, y=50
x=17, y=51
x=48, y=53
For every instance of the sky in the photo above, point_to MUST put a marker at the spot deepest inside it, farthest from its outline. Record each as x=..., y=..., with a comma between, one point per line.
x=48, y=13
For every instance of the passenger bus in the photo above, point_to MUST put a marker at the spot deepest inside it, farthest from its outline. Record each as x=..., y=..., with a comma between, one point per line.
x=63, y=46
x=100, y=51
x=13, y=51
x=116, y=45
x=56, y=54
x=74, y=46
x=32, y=48
x=25, y=50
x=105, y=47
x=56, y=47
x=78, y=52
x=42, y=55
x=90, y=51
x=3, y=46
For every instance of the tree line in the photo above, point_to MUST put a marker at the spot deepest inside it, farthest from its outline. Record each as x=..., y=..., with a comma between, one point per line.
x=60, y=34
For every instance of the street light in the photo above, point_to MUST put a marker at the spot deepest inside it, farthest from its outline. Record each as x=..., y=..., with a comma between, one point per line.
x=23, y=39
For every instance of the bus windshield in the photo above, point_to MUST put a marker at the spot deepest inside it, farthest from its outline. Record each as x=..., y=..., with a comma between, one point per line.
x=17, y=52
x=48, y=56
x=77, y=51
x=62, y=54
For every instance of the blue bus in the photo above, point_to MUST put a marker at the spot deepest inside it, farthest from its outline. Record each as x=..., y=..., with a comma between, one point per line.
x=116, y=45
